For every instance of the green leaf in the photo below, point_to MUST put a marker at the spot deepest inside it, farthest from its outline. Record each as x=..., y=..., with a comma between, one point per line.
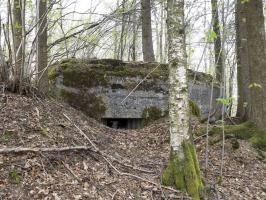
x=211, y=35
x=254, y=86
x=244, y=1
x=226, y=102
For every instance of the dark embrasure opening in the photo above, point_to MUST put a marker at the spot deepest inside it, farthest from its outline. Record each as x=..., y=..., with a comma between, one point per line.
x=122, y=123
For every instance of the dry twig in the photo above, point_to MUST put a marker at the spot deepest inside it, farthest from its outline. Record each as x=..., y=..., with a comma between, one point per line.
x=110, y=163
x=38, y=150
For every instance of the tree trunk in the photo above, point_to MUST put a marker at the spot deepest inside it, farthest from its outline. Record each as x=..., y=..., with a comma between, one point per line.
x=161, y=32
x=219, y=71
x=16, y=23
x=135, y=32
x=42, y=48
x=242, y=62
x=183, y=169
x=257, y=62
x=122, y=35
x=2, y=58
x=165, y=49
x=147, y=43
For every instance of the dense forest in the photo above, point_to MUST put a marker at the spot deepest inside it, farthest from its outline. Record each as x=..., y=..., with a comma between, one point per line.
x=132, y=99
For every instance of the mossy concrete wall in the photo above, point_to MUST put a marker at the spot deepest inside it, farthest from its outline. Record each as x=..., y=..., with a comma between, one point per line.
x=110, y=82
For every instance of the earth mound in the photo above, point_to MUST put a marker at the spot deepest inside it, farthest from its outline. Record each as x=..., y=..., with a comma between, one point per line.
x=49, y=150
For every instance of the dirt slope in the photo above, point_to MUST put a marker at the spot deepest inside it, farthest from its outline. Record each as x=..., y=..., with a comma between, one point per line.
x=127, y=166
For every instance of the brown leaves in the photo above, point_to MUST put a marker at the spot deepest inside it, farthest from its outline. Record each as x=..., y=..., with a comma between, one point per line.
x=86, y=175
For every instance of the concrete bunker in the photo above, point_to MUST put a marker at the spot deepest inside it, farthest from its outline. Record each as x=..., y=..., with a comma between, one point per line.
x=100, y=88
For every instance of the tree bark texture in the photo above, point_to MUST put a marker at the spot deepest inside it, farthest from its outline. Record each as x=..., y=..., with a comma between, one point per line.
x=257, y=62
x=147, y=43
x=42, y=48
x=17, y=43
x=243, y=79
x=219, y=71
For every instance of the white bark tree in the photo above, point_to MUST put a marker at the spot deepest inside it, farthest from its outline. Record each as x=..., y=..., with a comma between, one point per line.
x=183, y=169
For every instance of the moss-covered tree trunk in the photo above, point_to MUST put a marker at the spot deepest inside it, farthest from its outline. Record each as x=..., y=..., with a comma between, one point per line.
x=182, y=171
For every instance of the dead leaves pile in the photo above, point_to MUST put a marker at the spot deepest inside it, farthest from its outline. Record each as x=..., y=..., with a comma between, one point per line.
x=27, y=122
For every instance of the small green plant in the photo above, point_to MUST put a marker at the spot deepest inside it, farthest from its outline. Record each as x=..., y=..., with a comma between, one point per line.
x=211, y=35
x=225, y=101
x=14, y=177
x=44, y=131
x=219, y=180
x=7, y=136
x=254, y=86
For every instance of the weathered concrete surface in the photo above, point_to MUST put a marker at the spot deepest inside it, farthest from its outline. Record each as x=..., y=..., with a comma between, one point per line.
x=111, y=81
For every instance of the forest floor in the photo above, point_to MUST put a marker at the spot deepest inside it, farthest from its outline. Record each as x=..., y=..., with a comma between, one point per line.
x=110, y=164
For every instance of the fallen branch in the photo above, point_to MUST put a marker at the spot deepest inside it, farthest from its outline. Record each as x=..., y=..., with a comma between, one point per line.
x=105, y=157
x=71, y=171
x=82, y=133
x=37, y=150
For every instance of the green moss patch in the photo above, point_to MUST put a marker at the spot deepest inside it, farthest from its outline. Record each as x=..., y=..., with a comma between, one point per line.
x=245, y=131
x=89, y=73
x=90, y=104
x=194, y=108
x=52, y=73
x=184, y=174
x=112, y=62
x=81, y=76
x=200, y=77
x=259, y=141
x=151, y=114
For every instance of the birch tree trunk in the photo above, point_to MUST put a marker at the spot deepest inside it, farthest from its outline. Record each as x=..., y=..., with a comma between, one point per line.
x=42, y=57
x=147, y=43
x=183, y=170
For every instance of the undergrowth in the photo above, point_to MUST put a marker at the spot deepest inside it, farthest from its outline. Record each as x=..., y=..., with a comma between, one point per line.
x=245, y=131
